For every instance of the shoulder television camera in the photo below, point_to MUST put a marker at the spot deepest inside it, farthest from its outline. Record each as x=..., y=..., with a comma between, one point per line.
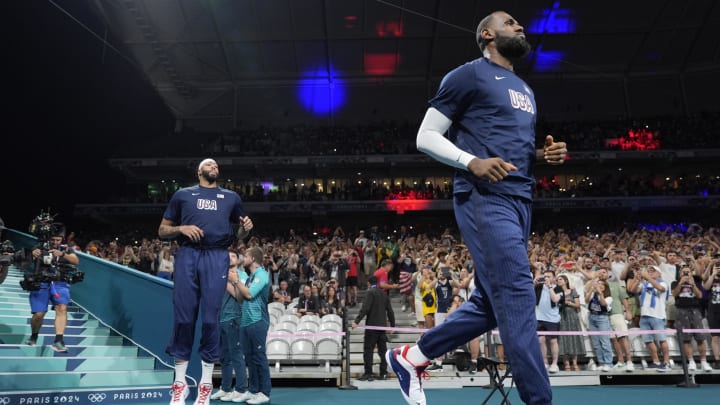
x=48, y=267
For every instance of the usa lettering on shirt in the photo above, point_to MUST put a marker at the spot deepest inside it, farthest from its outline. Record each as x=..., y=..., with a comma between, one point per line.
x=203, y=204
x=521, y=101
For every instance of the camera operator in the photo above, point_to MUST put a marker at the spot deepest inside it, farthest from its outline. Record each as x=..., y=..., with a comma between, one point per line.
x=50, y=257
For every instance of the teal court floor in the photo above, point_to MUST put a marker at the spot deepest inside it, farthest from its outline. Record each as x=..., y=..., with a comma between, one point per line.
x=591, y=395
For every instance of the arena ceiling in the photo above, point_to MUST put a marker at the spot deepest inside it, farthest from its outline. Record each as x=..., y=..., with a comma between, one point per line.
x=236, y=63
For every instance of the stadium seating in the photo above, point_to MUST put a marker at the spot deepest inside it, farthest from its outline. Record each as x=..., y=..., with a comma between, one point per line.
x=332, y=318
x=302, y=348
x=310, y=318
x=278, y=350
x=307, y=327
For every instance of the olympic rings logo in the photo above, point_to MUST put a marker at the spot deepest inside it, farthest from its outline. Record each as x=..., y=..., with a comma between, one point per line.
x=97, y=397
x=4, y=401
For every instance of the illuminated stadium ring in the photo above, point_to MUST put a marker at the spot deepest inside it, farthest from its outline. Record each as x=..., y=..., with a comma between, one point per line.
x=97, y=397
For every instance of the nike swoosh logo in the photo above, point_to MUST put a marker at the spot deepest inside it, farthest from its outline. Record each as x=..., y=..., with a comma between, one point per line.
x=195, y=193
x=499, y=77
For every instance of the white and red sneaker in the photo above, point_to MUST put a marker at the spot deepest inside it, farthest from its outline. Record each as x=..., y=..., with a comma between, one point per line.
x=204, y=391
x=179, y=392
x=409, y=375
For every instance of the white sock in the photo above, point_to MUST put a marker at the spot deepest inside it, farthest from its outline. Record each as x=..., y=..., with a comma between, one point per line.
x=180, y=370
x=415, y=356
x=207, y=372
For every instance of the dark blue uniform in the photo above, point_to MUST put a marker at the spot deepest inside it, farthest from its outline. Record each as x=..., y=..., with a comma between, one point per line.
x=493, y=113
x=201, y=268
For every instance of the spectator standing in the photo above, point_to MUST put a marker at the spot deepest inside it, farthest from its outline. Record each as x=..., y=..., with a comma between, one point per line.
x=232, y=357
x=378, y=310
x=381, y=275
x=549, y=299
x=653, y=295
x=712, y=285
x=620, y=315
x=571, y=346
x=369, y=259
x=688, y=292
x=429, y=297
x=254, y=325
x=353, y=261
x=336, y=267
x=407, y=269
x=599, y=301
x=166, y=264
x=444, y=297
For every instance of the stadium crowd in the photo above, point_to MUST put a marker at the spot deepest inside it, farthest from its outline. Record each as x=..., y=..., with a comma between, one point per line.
x=697, y=131
x=327, y=270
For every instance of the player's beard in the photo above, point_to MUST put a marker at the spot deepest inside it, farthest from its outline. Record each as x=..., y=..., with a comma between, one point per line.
x=208, y=176
x=514, y=48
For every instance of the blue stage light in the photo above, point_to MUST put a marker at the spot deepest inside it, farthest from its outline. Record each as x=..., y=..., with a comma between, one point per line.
x=553, y=20
x=321, y=92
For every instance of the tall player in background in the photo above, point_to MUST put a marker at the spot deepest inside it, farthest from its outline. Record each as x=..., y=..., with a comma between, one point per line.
x=490, y=115
x=202, y=219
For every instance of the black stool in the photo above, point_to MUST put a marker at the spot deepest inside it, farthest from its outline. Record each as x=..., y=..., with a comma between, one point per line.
x=496, y=379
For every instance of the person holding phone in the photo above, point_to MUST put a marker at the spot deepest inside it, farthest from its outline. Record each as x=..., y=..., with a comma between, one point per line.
x=712, y=286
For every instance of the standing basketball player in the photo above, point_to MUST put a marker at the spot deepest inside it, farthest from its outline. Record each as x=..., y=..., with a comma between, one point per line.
x=490, y=115
x=202, y=218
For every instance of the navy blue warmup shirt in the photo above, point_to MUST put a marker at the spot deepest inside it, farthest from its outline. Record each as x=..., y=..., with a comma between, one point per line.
x=213, y=210
x=493, y=113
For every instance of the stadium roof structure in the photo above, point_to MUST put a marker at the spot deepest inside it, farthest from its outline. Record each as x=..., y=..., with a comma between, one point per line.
x=238, y=63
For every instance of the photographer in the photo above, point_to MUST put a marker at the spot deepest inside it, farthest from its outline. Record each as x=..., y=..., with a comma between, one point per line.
x=712, y=286
x=50, y=258
x=688, y=293
x=336, y=267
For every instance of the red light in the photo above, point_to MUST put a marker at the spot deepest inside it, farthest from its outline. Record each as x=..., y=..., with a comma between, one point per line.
x=350, y=21
x=381, y=64
x=641, y=139
x=389, y=28
x=400, y=206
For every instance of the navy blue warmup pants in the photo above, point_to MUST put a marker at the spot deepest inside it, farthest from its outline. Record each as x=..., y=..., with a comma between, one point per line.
x=200, y=281
x=496, y=229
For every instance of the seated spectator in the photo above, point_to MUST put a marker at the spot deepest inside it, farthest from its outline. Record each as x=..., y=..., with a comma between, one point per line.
x=308, y=304
x=282, y=295
x=331, y=302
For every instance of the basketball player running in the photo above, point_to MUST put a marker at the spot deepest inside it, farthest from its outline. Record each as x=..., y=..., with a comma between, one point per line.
x=202, y=217
x=490, y=115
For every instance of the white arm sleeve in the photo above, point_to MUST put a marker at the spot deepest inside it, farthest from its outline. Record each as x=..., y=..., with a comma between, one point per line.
x=432, y=141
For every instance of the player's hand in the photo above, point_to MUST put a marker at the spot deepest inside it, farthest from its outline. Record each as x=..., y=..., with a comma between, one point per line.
x=193, y=232
x=246, y=223
x=353, y=325
x=554, y=152
x=491, y=169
